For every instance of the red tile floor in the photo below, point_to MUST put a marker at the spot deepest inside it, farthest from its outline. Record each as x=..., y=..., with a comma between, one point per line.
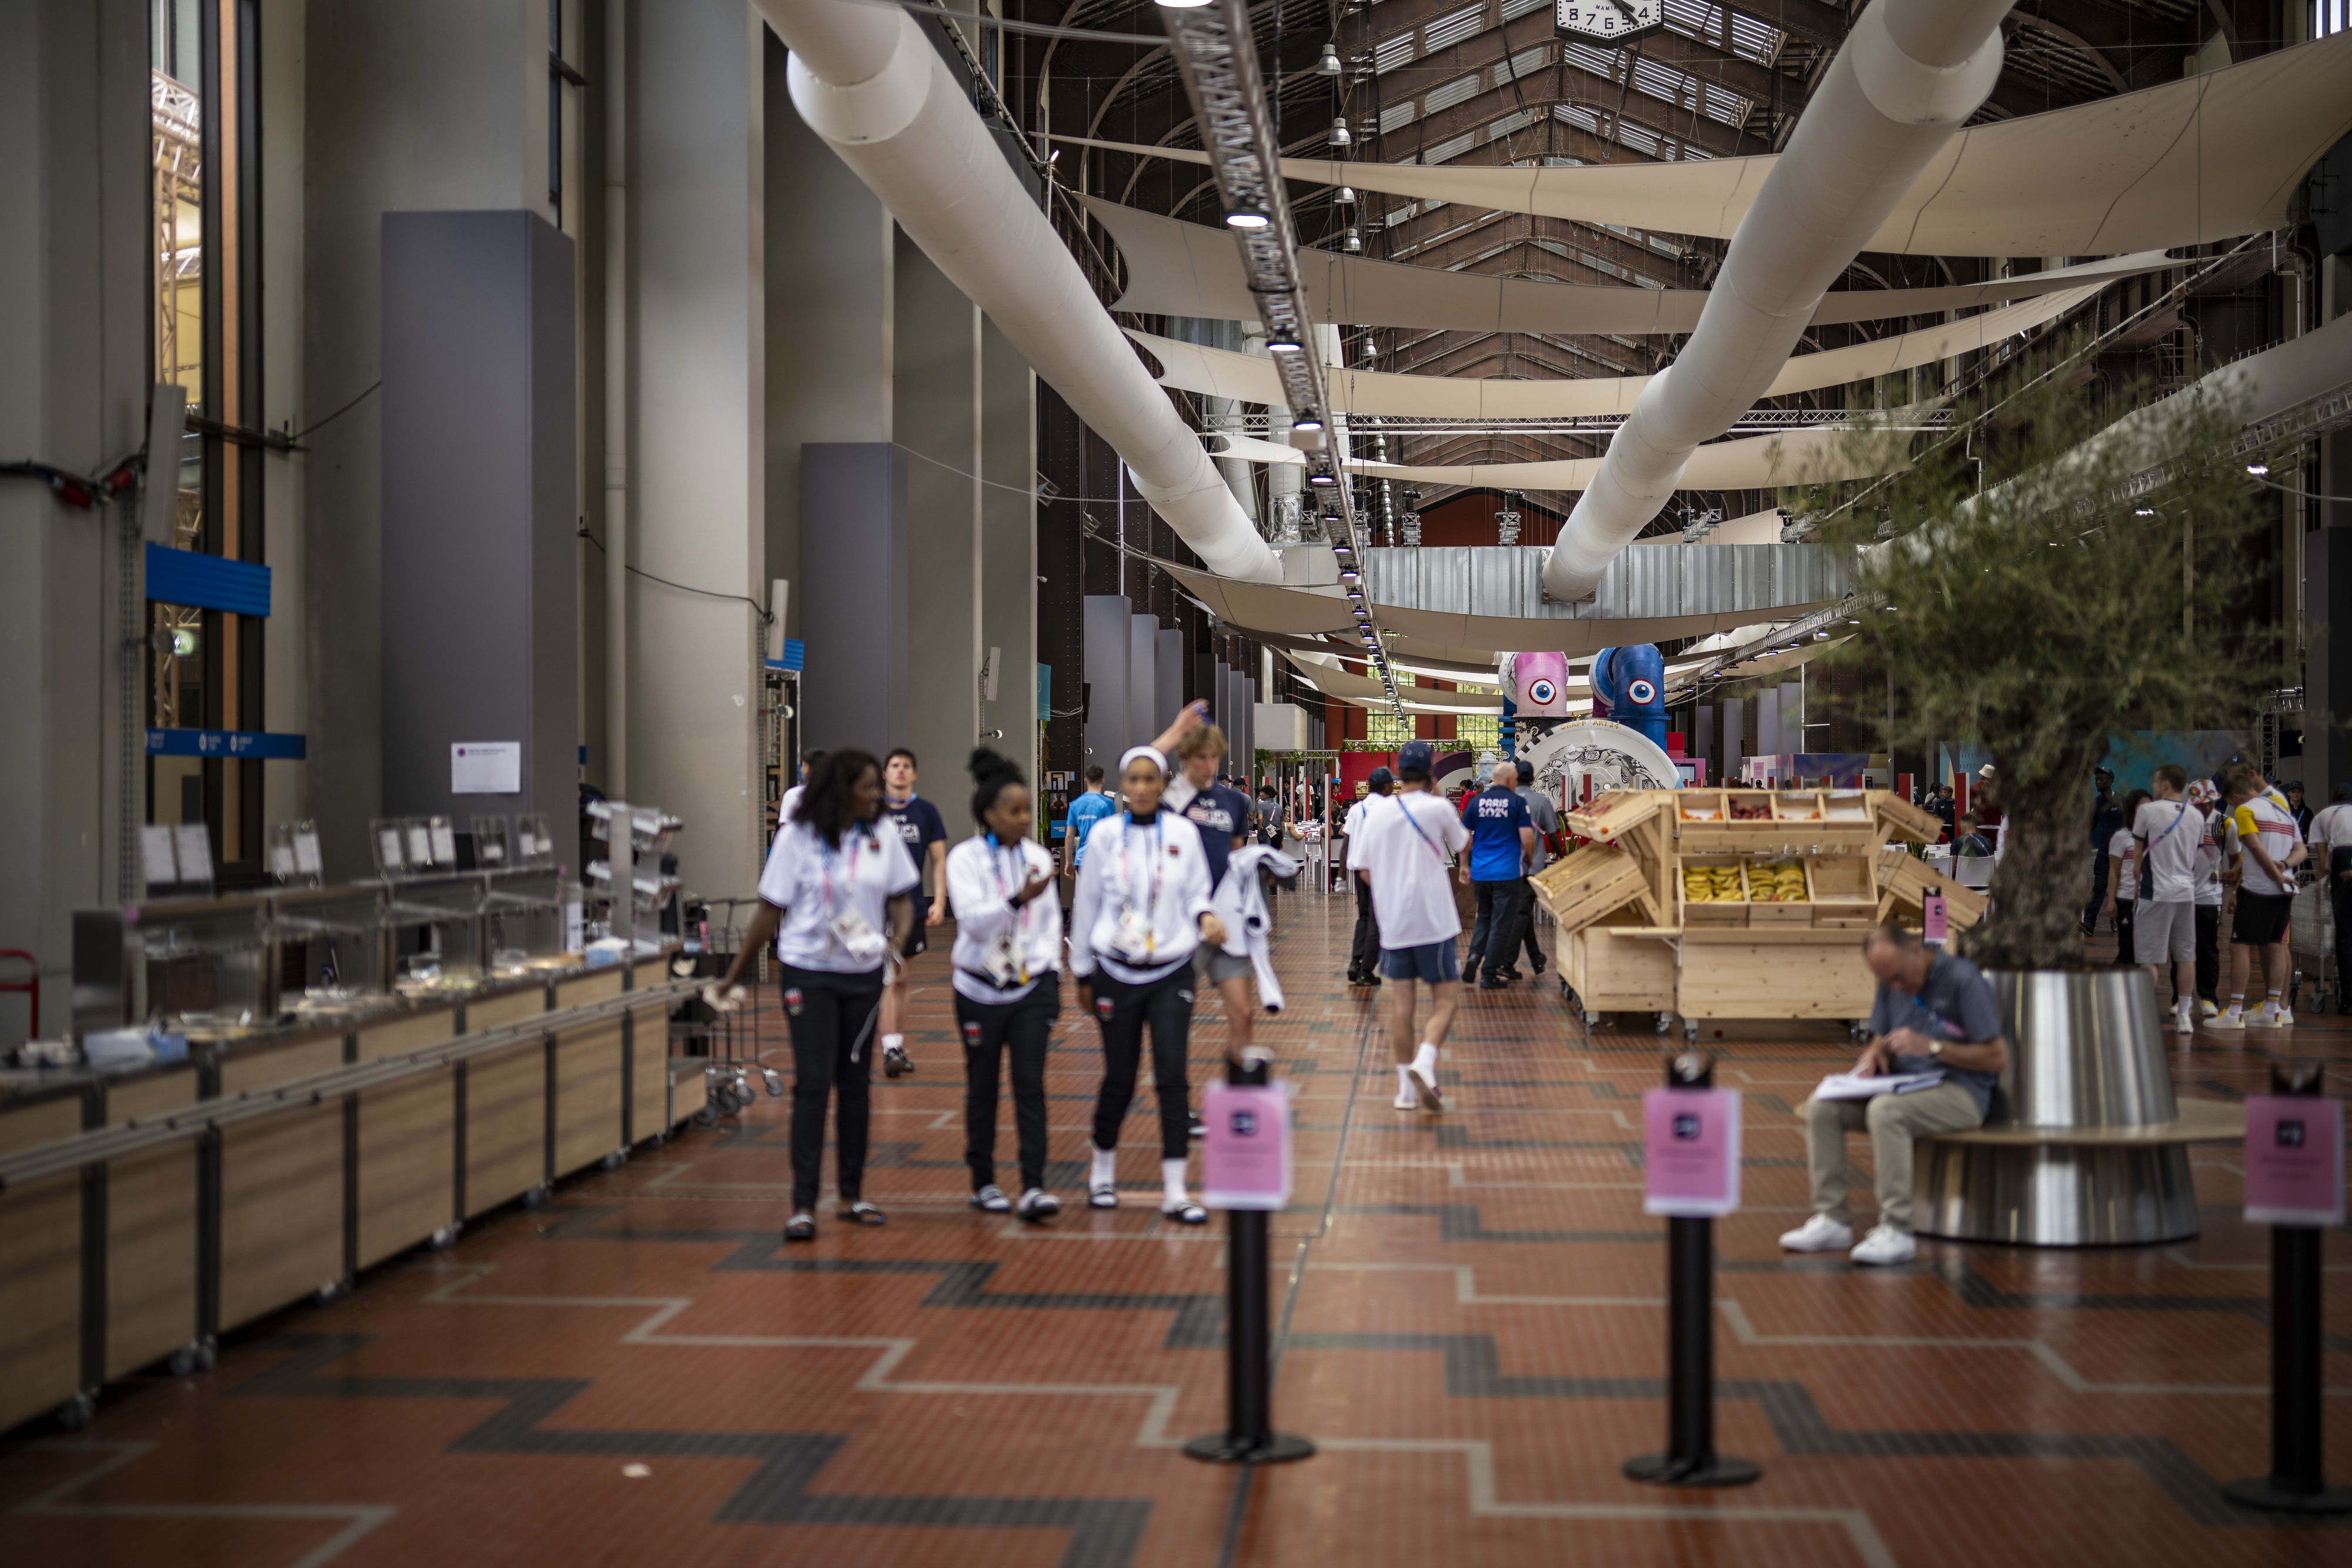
x=1468, y=1322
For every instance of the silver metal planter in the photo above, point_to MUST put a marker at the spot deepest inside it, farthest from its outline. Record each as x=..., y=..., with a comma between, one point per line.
x=2092, y=1150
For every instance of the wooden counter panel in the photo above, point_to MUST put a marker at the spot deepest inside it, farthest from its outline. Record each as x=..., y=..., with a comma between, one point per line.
x=497, y=1012
x=592, y=986
x=653, y=1112
x=150, y=1233
x=506, y=1125
x=1613, y=972
x=587, y=1096
x=407, y=1164
x=281, y=1193
x=393, y=1036
x=40, y=1271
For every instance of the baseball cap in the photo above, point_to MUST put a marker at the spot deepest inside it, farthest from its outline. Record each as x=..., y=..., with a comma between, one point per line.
x=1383, y=780
x=1415, y=756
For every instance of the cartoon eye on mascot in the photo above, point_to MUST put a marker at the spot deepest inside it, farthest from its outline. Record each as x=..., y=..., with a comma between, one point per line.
x=1629, y=684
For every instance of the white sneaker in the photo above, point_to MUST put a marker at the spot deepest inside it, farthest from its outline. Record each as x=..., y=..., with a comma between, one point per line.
x=2285, y=1017
x=2211, y=1011
x=1819, y=1234
x=1405, y=1101
x=1426, y=1088
x=2181, y=1024
x=1885, y=1244
x=2227, y=1020
x=2264, y=1017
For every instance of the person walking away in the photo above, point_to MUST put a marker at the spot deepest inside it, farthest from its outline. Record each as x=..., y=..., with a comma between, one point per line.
x=1007, y=981
x=920, y=828
x=1545, y=818
x=1364, y=948
x=1402, y=855
x=1085, y=812
x=2166, y=831
x=2272, y=849
x=1502, y=836
x=2210, y=858
x=1222, y=815
x=837, y=895
x=1143, y=907
x=791, y=800
x=2123, y=851
x=1935, y=1013
x=2331, y=844
x=2106, y=817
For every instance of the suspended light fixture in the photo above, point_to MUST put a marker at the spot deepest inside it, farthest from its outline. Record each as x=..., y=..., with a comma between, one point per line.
x=1328, y=66
x=1344, y=196
x=1340, y=136
x=1246, y=213
x=2258, y=469
x=1280, y=342
x=1310, y=426
x=1183, y=5
x=1351, y=241
x=1321, y=479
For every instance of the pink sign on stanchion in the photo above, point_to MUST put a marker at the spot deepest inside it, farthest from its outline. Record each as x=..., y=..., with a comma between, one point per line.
x=2295, y=1160
x=1245, y=1160
x=1936, y=926
x=1691, y=1152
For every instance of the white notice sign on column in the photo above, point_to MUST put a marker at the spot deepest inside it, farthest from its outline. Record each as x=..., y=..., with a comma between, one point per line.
x=486, y=767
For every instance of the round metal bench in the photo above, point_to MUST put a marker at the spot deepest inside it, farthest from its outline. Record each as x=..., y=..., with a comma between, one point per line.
x=2088, y=1146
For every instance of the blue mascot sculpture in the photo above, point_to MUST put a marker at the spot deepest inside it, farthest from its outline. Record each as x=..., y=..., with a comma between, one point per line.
x=1631, y=683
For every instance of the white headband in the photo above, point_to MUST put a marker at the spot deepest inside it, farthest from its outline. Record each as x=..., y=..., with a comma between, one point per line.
x=1149, y=752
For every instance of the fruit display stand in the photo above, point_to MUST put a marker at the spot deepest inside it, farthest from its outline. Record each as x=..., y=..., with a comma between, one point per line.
x=1723, y=904
x=1904, y=879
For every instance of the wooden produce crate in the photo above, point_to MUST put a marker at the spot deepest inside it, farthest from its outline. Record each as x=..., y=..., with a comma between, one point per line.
x=1845, y=895
x=1597, y=880
x=1641, y=822
x=1784, y=972
x=1903, y=879
x=1899, y=818
x=1733, y=820
x=1690, y=912
x=1616, y=966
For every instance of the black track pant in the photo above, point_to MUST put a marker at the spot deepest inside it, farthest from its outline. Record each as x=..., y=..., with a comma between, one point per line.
x=1494, y=935
x=2209, y=952
x=1364, y=952
x=2123, y=930
x=1165, y=1006
x=830, y=1015
x=991, y=1031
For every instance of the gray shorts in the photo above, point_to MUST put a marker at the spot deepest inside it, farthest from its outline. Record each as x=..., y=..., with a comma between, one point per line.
x=1216, y=965
x=2164, y=929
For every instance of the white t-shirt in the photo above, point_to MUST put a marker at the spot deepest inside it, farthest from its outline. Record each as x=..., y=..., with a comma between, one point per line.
x=2168, y=832
x=1353, y=823
x=2266, y=814
x=2124, y=849
x=1403, y=844
x=2331, y=828
x=815, y=883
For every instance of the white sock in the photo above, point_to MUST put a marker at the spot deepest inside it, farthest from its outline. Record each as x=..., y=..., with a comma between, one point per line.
x=893, y=1041
x=2237, y=1005
x=1171, y=1183
x=1425, y=1061
x=1404, y=1078
x=1106, y=1171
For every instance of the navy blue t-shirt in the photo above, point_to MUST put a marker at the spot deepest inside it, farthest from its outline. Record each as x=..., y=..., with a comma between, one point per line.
x=1222, y=815
x=1495, y=818
x=920, y=826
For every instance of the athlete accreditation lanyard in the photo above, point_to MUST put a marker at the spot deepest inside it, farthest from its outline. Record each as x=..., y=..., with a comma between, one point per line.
x=1013, y=950
x=1127, y=922
x=843, y=927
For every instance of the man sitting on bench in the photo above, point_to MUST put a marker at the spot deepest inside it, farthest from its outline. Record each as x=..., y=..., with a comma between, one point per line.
x=1935, y=1013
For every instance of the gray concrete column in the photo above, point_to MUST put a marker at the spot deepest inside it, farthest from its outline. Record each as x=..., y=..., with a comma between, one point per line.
x=436, y=105
x=1144, y=722
x=1108, y=649
x=74, y=266
x=936, y=405
x=700, y=496
x=831, y=261
x=1008, y=557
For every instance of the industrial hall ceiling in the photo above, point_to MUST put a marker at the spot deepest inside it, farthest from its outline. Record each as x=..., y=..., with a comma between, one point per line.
x=1490, y=83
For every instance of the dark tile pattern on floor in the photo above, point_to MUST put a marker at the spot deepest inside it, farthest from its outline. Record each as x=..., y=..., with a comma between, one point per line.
x=1469, y=1324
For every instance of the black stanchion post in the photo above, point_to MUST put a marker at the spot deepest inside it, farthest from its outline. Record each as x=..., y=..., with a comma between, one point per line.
x=2298, y=1480
x=1249, y=1437
x=1690, y=1460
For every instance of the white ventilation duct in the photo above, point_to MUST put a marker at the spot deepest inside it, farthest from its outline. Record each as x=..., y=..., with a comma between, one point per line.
x=870, y=83
x=1911, y=72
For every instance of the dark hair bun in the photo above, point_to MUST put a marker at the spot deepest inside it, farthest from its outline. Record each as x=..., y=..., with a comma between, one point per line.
x=992, y=773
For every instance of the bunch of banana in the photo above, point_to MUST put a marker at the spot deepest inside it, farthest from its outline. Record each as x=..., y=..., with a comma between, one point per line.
x=1782, y=883
x=1712, y=885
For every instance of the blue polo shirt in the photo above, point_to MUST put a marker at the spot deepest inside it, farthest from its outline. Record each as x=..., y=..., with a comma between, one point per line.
x=1222, y=815
x=1085, y=812
x=1495, y=818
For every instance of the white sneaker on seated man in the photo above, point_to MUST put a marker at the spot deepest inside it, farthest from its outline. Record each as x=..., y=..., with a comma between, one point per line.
x=1935, y=1014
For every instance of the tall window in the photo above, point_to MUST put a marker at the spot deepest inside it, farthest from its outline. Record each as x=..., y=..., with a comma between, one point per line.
x=2330, y=17
x=204, y=98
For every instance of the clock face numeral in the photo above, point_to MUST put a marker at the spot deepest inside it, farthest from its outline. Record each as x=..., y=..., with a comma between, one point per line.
x=1616, y=22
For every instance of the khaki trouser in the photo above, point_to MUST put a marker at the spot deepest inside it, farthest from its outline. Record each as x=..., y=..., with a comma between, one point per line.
x=1893, y=1120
